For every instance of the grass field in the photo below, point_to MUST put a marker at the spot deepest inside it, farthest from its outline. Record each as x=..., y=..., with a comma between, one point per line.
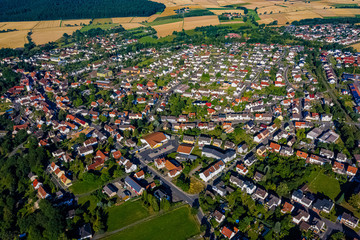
x=178, y=224
x=80, y=187
x=125, y=214
x=322, y=183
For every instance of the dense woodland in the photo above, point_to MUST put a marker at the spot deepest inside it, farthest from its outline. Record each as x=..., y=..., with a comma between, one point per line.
x=21, y=10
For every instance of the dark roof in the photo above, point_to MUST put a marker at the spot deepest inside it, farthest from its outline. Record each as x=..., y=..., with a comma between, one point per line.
x=85, y=231
x=133, y=184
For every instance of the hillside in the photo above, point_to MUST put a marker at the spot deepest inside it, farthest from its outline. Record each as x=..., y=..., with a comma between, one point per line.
x=22, y=10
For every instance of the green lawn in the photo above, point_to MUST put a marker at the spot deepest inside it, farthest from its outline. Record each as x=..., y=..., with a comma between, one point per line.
x=175, y=225
x=125, y=214
x=322, y=183
x=80, y=187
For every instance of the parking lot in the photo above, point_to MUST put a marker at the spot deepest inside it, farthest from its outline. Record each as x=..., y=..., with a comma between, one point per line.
x=149, y=155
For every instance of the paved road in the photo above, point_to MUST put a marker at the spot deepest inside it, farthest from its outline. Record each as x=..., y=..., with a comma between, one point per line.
x=16, y=149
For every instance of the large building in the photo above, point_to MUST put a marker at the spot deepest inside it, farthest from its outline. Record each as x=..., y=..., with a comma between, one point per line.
x=155, y=140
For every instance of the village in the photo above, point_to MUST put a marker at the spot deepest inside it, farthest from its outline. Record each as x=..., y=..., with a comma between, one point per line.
x=199, y=124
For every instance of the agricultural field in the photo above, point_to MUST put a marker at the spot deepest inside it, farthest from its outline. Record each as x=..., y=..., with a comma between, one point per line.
x=193, y=22
x=131, y=25
x=168, y=29
x=356, y=46
x=47, y=24
x=18, y=25
x=179, y=221
x=102, y=21
x=13, y=39
x=45, y=35
x=122, y=20
x=75, y=22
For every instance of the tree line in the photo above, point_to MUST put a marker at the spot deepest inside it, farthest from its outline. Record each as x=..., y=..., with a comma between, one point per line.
x=21, y=10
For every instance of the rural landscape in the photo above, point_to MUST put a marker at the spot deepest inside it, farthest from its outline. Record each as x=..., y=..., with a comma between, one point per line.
x=180, y=119
x=172, y=16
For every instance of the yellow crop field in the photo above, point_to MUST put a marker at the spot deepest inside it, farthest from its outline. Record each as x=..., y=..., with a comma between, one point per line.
x=356, y=46
x=102, y=20
x=75, y=22
x=169, y=11
x=296, y=16
x=122, y=19
x=167, y=29
x=153, y=17
x=13, y=39
x=18, y=25
x=48, y=24
x=139, y=19
x=131, y=25
x=42, y=36
x=219, y=12
x=193, y=22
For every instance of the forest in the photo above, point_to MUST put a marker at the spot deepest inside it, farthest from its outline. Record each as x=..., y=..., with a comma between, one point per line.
x=21, y=10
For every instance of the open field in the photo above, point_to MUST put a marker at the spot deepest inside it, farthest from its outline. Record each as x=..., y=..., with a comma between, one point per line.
x=356, y=46
x=168, y=29
x=13, y=39
x=47, y=24
x=193, y=22
x=179, y=224
x=75, y=22
x=102, y=26
x=42, y=36
x=102, y=20
x=219, y=12
x=131, y=25
x=122, y=20
x=125, y=214
x=18, y=25
x=322, y=183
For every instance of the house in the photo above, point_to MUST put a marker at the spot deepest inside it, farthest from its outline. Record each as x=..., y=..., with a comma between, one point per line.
x=260, y=194
x=185, y=148
x=338, y=167
x=227, y=233
x=173, y=167
x=351, y=170
x=324, y=205
x=258, y=176
x=287, y=208
x=273, y=202
x=241, y=169
x=212, y=171
x=217, y=153
x=326, y=153
x=204, y=140
x=155, y=140
x=243, y=148
x=218, y=216
x=140, y=174
x=160, y=163
x=130, y=182
x=110, y=190
x=301, y=216
x=189, y=139
x=349, y=220
x=85, y=232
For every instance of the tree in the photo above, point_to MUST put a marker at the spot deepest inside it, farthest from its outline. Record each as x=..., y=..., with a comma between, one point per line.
x=338, y=236
x=164, y=204
x=355, y=201
x=154, y=204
